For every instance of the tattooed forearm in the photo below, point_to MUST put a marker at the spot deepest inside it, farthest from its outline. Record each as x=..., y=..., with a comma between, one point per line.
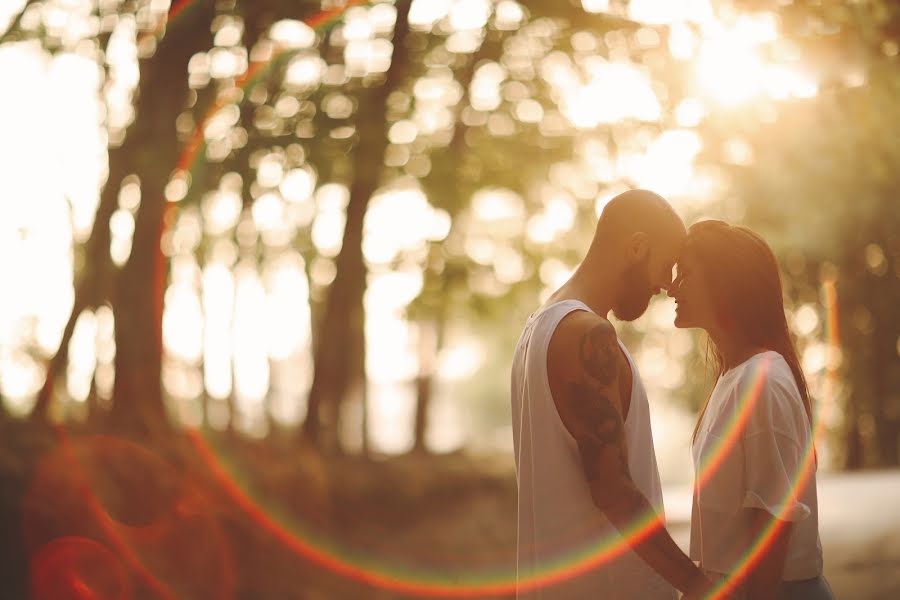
x=599, y=352
x=657, y=548
x=595, y=420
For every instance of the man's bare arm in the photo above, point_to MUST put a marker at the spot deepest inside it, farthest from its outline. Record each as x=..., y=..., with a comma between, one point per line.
x=595, y=420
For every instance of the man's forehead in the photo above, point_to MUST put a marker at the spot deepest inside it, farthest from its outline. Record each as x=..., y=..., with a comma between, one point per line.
x=685, y=254
x=673, y=246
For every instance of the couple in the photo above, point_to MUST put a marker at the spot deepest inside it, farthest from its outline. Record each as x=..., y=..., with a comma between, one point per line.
x=589, y=490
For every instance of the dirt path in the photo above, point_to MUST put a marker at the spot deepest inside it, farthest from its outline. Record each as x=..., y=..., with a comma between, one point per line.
x=859, y=523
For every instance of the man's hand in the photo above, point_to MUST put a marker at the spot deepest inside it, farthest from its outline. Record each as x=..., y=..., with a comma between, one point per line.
x=706, y=590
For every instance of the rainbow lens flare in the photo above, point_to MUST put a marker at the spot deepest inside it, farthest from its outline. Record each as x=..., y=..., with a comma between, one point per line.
x=365, y=569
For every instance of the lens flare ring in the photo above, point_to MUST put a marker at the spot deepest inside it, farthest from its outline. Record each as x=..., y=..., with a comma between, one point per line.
x=571, y=565
x=807, y=465
x=118, y=502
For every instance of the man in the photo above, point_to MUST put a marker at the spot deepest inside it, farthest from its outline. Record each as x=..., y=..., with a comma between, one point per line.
x=585, y=463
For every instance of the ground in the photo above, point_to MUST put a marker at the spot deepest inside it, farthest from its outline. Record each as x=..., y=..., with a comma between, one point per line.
x=221, y=517
x=859, y=524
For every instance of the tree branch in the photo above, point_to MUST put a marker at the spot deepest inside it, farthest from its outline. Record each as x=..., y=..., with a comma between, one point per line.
x=14, y=26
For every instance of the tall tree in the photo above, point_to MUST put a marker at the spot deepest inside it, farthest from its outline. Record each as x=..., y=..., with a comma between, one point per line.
x=340, y=348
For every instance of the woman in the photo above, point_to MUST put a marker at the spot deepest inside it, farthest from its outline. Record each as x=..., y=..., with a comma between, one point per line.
x=755, y=518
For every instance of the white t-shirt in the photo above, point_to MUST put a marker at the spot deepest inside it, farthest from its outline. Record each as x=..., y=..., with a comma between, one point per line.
x=750, y=452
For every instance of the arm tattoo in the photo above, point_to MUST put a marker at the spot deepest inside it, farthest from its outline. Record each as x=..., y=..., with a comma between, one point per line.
x=598, y=353
x=602, y=436
x=597, y=414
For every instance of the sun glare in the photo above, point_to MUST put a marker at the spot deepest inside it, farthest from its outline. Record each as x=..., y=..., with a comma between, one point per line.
x=666, y=12
x=247, y=320
x=218, y=305
x=730, y=69
x=667, y=164
x=614, y=92
x=250, y=356
x=83, y=353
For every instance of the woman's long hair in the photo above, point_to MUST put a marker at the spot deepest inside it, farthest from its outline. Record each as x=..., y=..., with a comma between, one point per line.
x=745, y=286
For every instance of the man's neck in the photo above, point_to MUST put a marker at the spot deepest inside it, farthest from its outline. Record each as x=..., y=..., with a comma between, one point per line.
x=593, y=291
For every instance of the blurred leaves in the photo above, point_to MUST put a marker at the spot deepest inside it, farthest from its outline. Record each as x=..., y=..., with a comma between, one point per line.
x=823, y=189
x=490, y=152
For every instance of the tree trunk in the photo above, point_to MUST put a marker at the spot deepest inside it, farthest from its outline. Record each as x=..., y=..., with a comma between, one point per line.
x=853, y=446
x=41, y=411
x=430, y=333
x=884, y=396
x=138, y=407
x=431, y=330
x=93, y=286
x=342, y=327
x=358, y=392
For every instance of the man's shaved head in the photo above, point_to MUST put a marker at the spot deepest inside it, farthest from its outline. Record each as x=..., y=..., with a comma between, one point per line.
x=639, y=210
x=639, y=230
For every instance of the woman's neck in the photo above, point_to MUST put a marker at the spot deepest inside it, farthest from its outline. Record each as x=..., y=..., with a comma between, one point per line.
x=732, y=349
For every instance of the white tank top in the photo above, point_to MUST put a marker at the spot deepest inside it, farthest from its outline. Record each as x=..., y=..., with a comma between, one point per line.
x=559, y=526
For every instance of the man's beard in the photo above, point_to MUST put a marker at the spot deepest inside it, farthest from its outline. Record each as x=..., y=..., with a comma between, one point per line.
x=636, y=292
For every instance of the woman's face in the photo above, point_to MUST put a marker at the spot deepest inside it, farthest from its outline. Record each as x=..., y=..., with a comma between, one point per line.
x=691, y=291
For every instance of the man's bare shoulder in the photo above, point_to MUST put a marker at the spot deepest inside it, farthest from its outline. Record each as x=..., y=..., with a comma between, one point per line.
x=584, y=344
x=583, y=366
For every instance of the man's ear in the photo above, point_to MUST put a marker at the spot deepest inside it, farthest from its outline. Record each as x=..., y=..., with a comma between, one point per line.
x=638, y=247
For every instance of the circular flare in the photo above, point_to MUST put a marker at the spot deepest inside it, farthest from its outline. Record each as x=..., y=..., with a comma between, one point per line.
x=77, y=568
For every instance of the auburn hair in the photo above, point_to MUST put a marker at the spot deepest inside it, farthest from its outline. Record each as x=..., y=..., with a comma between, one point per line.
x=747, y=294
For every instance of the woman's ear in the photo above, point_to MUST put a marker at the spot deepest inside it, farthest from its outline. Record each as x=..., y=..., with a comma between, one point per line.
x=638, y=247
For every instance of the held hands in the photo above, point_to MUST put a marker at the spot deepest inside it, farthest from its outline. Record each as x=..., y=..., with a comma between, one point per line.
x=705, y=589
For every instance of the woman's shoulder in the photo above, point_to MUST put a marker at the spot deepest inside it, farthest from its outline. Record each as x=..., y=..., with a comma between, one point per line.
x=766, y=368
x=762, y=378
x=777, y=373
x=766, y=377
x=774, y=396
